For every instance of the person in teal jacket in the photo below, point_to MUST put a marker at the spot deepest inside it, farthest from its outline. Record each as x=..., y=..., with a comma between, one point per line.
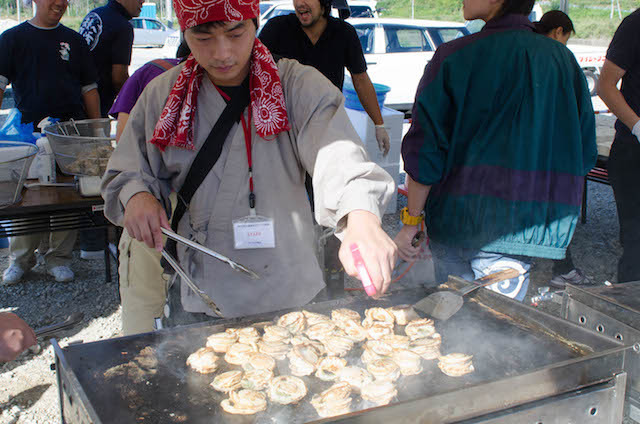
x=502, y=136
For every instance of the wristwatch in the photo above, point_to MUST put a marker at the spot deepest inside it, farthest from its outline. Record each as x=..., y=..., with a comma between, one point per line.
x=408, y=219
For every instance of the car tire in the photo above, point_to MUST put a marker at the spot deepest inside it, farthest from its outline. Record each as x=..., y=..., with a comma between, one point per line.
x=592, y=82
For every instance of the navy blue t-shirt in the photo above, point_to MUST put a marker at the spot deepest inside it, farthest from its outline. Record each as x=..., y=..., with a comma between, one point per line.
x=47, y=68
x=624, y=51
x=338, y=46
x=109, y=35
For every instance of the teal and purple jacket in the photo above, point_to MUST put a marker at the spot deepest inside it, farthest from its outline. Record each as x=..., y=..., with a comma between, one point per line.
x=503, y=130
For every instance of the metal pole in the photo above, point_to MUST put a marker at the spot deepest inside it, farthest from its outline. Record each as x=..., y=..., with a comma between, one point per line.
x=18, y=7
x=564, y=6
x=412, y=8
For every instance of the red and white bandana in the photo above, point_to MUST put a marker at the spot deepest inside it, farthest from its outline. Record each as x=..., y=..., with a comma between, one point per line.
x=269, y=114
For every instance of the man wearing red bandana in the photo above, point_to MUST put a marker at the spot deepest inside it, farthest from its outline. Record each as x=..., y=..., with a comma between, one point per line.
x=294, y=123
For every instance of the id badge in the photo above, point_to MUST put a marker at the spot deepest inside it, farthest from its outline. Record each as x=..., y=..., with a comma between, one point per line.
x=254, y=232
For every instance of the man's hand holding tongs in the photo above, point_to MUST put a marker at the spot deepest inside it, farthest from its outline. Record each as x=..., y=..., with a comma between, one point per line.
x=144, y=218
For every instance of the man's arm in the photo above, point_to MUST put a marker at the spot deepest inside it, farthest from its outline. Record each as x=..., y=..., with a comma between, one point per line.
x=15, y=336
x=91, y=101
x=119, y=74
x=367, y=95
x=122, y=122
x=612, y=97
x=416, y=199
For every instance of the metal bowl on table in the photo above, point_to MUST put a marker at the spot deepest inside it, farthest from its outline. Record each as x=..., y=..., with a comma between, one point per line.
x=15, y=160
x=82, y=148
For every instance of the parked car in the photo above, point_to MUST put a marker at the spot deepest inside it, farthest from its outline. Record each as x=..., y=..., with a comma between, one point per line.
x=358, y=8
x=150, y=32
x=397, y=51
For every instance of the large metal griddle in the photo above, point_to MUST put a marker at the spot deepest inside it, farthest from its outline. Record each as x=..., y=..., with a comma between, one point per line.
x=614, y=311
x=521, y=355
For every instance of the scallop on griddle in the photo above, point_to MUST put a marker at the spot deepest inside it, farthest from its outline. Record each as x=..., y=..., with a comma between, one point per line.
x=227, y=381
x=245, y=402
x=336, y=400
x=314, y=318
x=329, y=368
x=295, y=322
x=287, y=389
x=220, y=342
x=276, y=334
x=356, y=377
x=379, y=392
x=248, y=335
x=303, y=360
x=456, y=364
x=403, y=314
x=377, y=315
x=239, y=353
x=344, y=313
x=427, y=347
x=420, y=328
x=259, y=361
x=337, y=345
x=204, y=360
x=256, y=379
x=410, y=363
x=384, y=369
x=352, y=330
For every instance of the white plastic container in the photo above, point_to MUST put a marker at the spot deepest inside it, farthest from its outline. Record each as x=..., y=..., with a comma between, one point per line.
x=366, y=130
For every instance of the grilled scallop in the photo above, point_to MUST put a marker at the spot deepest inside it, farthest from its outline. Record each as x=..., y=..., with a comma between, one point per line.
x=277, y=350
x=239, y=353
x=287, y=389
x=336, y=400
x=245, y=402
x=248, y=335
x=403, y=314
x=329, y=368
x=314, y=318
x=321, y=330
x=337, y=346
x=384, y=369
x=220, y=342
x=227, y=381
x=356, y=377
x=303, y=360
x=276, y=334
x=379, y=329
x=456, y=364
x=379, y=392
x=295, y=322
x=344, y=313
x=420, y=328
x=427, y=347
x=375, y=349
x=396, y=341
x=204, y=360
x=352, y=330
x=410, y=363
x=259, y=361
x=377, y=314
x=256, y=379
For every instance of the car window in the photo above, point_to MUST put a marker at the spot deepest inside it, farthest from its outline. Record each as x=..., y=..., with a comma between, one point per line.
x=365, y=34
x=361, y=12
x=153, y=25
x=444, y=35
x=278, y=11
x=402, y=39
x=136, y=23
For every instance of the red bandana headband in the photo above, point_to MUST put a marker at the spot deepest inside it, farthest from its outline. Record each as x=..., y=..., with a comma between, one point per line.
x=269, y=114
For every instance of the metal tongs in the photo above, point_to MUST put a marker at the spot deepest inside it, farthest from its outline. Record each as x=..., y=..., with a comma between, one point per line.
x=205, y=297
x=236, y=266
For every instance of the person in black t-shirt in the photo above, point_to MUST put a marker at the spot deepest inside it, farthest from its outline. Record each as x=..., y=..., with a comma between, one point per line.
x=623, y=62
x=314, y=38
x=109, y=34
x=52, y=74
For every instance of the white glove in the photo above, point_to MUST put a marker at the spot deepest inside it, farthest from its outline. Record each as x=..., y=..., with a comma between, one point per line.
x=383, y=139
x=635, y=131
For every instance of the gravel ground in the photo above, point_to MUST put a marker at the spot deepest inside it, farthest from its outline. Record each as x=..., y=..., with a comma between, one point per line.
x=28, y=390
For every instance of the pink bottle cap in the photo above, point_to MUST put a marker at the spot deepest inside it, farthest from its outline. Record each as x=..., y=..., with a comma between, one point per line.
x=369, y=288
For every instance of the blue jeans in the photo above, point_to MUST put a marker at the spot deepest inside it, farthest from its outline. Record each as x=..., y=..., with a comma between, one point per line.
x=472, y=264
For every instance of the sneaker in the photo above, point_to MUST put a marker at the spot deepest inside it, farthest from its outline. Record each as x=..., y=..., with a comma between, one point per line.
x=61, y=273
x=92, y=254
x=12, y=275
x=574, y=277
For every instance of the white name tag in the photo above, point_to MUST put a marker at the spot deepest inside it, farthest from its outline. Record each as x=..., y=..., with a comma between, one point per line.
x=254, y=232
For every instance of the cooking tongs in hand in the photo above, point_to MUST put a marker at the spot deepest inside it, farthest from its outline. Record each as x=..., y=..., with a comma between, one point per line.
x=236, y=266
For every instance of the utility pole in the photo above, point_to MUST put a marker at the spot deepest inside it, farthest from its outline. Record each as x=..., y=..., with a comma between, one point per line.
x=564, y=6
x=18, y=7
x=612, y=7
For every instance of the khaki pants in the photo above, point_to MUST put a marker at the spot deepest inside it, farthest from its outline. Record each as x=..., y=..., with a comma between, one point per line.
x=143, y=289
x=22, y=248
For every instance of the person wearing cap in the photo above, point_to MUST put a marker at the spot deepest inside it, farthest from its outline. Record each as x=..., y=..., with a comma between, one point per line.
x=313, y=37
x=623, y=63
x=502, y=136
x=557, y=25
x=274, y=122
